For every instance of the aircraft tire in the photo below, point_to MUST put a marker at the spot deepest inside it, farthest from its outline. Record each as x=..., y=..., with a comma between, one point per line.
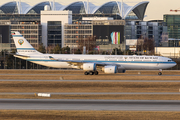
x=96, y=73
x=160, y=73
x=86, y=73
x=91, y=73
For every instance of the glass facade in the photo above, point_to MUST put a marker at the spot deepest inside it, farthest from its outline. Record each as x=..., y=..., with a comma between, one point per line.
x=77, y=8
x=80, y=7
x=174, y=43
x=36, y=9
x=10, y=7
x=150, y=30
x=75, y=33
x=108, y=8
x=54, y=33
x=30, y=31
x=173, y=24
x=80, y=32
x=20, y=17
x=132, y=16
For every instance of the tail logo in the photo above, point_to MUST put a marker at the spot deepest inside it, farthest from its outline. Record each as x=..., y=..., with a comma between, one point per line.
x=20, y=41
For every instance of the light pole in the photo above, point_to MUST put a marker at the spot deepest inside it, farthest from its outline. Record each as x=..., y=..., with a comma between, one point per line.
x=1, y=41
x=84, y=47
x=100, y=39
x=84, y=40
x=54, y=40
x=94, y=42
x=72, y=43
x=2, y=49
x=107, y=38
x=174, y=48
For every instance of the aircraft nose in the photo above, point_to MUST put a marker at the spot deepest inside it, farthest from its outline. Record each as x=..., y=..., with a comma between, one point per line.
x=174, y=64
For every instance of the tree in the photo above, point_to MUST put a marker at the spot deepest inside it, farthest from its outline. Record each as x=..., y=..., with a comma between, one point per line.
x=149, y=45
x=105, y=53
x=129, y=52
x=49, y=49
x=66, y=50
x=57, y=49
x=146, y=46
x=41, y=48
x=89, y=42
x=117, y=51
x=78, y=51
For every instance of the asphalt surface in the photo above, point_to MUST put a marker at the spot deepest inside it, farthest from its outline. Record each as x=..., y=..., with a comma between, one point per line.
x=68, y=104
x=92, y=80
x=98, y=93
x=89, y=75
x=65, y=104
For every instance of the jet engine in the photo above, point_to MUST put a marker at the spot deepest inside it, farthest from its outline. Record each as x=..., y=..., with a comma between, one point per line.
x=89, y=66
x=113, y=69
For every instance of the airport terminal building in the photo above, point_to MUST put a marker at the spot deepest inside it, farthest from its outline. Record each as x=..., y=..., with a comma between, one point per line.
x=53, y=23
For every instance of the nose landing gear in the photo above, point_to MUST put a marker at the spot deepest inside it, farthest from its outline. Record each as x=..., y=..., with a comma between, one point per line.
x=160, y=72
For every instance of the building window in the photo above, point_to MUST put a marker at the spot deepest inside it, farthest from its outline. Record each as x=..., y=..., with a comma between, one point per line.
x=54, y=33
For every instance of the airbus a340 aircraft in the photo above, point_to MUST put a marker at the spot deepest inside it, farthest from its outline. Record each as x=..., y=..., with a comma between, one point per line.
x=91, y=64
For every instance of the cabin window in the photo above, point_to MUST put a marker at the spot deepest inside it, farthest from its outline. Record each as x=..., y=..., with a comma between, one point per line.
x=155, y=57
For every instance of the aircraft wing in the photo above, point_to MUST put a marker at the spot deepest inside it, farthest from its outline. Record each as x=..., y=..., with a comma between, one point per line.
x=21, y=56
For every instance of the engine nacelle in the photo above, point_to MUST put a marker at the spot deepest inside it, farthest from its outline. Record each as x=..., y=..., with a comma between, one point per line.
x=113, y=69
x=121, y=71
x=89, y=66
x=109, y=69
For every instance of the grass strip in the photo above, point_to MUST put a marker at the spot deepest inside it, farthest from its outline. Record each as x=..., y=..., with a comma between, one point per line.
x=62, y=71
x=98, y=97
x=87, y=115
x=48, y=86
x=89, y=77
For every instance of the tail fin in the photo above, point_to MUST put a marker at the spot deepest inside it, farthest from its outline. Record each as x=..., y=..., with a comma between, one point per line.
x=22, y=45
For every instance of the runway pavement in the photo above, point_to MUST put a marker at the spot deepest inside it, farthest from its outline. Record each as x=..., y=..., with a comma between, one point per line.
x=97, y=93
x=66, y=104
x=15, y=74
x=93, y=80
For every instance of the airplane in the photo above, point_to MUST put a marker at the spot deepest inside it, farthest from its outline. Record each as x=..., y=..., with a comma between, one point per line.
x=91, y=64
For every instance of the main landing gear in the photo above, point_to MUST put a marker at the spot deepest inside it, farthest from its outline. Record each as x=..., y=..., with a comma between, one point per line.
x=160, y=72
x=91, y=73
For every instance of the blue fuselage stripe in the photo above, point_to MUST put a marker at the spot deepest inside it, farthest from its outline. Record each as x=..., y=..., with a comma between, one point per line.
x=105, y=61
x=25, y=49
x=17, y=35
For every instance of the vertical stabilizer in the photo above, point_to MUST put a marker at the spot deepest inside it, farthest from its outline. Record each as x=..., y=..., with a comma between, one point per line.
x=22, y=45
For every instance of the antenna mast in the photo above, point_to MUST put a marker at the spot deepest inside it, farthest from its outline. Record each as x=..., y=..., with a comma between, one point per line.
x=122, y=9
x=87, y=6
x=19, y=6
x=54, y=5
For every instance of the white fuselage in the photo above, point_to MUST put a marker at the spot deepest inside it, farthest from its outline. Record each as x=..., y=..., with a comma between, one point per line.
x=129, y=62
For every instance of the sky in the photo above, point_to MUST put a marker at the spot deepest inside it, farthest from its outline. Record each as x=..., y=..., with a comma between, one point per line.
x=155, y=9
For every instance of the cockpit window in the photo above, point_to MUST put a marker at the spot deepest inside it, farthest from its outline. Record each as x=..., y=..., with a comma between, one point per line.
x=169, y=60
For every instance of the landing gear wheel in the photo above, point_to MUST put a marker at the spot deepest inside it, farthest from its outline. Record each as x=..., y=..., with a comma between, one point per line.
x=86, y=73
x=160, y=73
x=91, y=73
x=96, y=73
